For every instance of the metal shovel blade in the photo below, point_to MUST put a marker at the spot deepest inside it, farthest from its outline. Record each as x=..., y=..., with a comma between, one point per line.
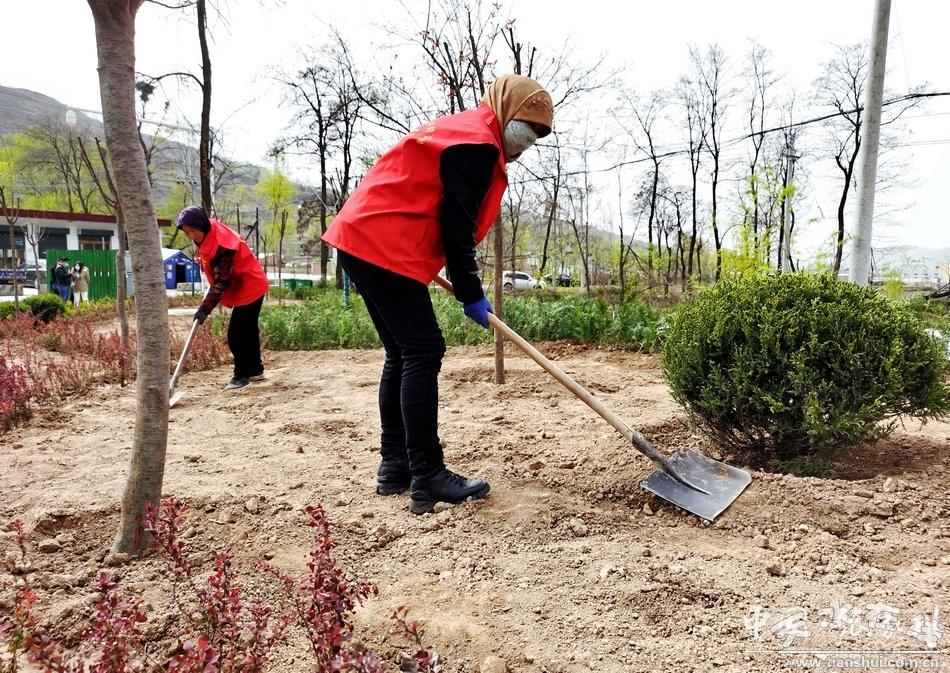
x=175, y=398
x=723, y=483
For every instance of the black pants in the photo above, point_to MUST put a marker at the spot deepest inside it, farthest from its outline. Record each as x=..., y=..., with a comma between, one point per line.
x=244, y=339
x=402, y=312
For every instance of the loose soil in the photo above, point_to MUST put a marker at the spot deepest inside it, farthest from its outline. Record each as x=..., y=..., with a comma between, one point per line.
x=567, y=566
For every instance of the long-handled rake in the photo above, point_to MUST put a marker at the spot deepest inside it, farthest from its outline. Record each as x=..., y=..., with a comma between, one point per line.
x=173, y=396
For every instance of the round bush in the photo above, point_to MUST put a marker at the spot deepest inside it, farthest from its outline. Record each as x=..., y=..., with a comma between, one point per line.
x=46, y=307
x=793, y=365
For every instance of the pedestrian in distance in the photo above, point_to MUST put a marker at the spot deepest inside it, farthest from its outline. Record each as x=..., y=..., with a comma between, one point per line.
x=237, y=281
x=80, y=279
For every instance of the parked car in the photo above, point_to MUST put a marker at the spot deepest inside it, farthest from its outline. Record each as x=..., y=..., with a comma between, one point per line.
x=35, y=274
x=519, y=280
x=560, y=280
x=26, y=275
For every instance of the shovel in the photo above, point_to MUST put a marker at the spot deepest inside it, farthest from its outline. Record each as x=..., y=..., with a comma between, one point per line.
x=174, y=397
x=689, y=480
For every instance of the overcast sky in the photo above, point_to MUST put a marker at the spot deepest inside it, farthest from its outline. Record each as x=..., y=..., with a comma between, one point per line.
x=49, y=47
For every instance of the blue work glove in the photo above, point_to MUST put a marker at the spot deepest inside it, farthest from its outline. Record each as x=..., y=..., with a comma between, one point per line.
x=201, y=316
x=479, y=310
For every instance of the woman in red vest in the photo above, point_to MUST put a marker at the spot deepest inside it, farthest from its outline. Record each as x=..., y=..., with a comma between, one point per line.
x=425, y=205
x=238, y=281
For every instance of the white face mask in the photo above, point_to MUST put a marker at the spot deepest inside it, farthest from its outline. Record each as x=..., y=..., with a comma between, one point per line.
x=519, y=136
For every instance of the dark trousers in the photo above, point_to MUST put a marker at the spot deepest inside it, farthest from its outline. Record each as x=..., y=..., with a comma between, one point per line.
x=402, y=312
x=244, y=339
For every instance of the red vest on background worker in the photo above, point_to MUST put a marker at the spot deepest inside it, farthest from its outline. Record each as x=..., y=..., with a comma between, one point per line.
x=392, y=218
x=248, y=280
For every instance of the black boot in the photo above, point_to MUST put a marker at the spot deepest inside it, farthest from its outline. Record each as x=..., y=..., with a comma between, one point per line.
x=393, y=476
x=443, y=485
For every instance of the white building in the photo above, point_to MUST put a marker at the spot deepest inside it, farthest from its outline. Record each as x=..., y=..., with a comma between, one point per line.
x=57, y=231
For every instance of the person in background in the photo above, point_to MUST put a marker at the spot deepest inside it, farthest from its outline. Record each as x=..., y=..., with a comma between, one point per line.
x=425, y=205
x=62, y=279
x=238, y=281
x=80, y=278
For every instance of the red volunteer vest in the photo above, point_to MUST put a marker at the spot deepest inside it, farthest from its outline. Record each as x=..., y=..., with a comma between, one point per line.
x=248, y=280
x=392, y=218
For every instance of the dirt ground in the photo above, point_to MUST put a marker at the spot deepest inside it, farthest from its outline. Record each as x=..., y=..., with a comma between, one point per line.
x=568, y=566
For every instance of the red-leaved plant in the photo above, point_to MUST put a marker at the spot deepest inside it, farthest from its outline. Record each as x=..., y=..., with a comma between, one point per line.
x=223, y=629
x=22, y=387
x=30, y=376
x=324, y=600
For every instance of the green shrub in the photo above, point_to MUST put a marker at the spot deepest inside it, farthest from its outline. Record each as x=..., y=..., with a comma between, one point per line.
x=323, y=322
x=318, y=324
x=793, y=365
x=6, y=309
x=46, y=307
x=934, y=313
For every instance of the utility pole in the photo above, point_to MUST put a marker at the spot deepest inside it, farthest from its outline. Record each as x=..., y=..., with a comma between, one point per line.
x=861, y=254
x=499, y=307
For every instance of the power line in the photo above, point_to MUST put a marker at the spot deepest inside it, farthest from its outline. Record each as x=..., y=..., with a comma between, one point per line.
x=733, y=141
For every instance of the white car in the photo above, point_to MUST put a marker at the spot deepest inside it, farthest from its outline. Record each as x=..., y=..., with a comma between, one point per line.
x=519, y=280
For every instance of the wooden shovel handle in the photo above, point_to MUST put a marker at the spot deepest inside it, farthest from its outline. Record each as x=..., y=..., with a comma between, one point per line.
x=184, y=354
x=641, y=443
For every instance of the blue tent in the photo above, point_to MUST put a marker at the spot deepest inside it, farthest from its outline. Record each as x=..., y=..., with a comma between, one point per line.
x=179, y=268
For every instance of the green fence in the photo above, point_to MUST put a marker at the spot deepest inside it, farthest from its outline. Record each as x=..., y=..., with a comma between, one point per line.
x=101, y=264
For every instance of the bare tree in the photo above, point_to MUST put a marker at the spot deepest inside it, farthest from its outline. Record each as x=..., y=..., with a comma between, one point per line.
x=58, y=152
x=115, y=30
x=11, y=214
x=280, y=233
x=111, y=198
x=310, y=93
x=552, y=188
x=458, y=39
x=34, y=234
x=626, y=249
x=841, y=86
x=675, y=198
x=692, y=100
x=515, y=206
x=645, y=115
x=710, y=70
x=759, y=80
x=326, y=114
x=204, y=85
x=579, y=199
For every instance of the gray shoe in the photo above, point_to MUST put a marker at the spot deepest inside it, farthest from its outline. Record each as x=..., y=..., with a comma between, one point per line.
x=236, y=383
x=443, y=486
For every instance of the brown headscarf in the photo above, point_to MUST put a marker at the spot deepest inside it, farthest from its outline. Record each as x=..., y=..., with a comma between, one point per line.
x=518, y=97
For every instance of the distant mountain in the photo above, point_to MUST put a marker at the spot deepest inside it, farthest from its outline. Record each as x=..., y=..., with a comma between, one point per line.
x=21, y=108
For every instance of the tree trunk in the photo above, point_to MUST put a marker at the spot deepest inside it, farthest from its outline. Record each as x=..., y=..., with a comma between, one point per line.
x=280, y=258
x=11, y=217
x=121, y=281
x=13, y=265
x=204, y=142
x=715, y=215
x=692, y=236
x=842, y=202
x=115, y=30
x=324, y=248
x=652, y=217
x=499, y=306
